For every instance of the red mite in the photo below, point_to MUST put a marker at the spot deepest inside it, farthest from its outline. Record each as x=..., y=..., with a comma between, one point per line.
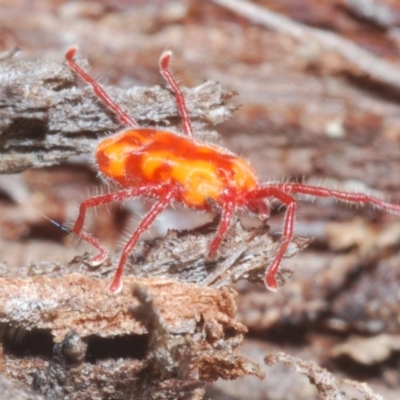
x=171, y=167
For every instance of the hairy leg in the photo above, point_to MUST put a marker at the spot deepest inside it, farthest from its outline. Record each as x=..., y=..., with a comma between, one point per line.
x=180, y=99
x=288, y=228
x=284, y=192
x=121, y=195
x=358, y=198
x=166, y=195
x=101, y=94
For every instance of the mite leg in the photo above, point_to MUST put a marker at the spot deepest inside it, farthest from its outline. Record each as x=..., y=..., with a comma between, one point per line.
x=165, y=198
x=226, y=218
x=283, y=192
x=101, y=94
x=339, y=195
x=180, y=99
x=288, y=229
x=287, y=236
x=98, y=200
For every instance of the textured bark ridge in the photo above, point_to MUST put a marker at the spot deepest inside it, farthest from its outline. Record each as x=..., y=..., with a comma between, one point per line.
x=157, y=339
x=45, y=118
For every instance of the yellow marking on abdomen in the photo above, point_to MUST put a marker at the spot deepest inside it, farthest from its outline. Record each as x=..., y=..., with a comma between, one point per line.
x=198, y=179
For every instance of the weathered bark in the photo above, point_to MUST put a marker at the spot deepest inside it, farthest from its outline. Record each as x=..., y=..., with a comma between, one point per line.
x=45, y=118
x=166, y=341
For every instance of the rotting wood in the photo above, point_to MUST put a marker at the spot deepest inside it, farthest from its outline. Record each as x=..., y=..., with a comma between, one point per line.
x=181, y=336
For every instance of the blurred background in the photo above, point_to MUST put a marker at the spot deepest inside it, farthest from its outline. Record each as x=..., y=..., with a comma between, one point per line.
x=317, y=96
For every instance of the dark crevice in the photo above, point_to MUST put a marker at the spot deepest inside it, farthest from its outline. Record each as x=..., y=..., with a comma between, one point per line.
x=6, y=198
x=229, y=332
x=373, y=88
x=21, y=343
x=29, y=148
x=57, y=84
x=84, y=134
x=282, y=334
x=26, y=128
x=361, y=372
x=127, y=346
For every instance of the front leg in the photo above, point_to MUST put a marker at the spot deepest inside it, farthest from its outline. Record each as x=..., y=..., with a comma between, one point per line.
x=121, y=195
x=166, y=194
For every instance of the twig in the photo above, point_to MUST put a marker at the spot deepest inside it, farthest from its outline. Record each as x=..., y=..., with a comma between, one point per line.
x=364, y=389
x=374, y=11
x=370, y=65
x=328, y=386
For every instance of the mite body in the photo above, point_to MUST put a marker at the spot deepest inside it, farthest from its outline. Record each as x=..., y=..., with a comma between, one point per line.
x=201, y=173
x=170, y=168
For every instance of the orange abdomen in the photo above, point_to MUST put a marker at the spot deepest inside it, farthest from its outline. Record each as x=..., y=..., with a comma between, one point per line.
x=141, y=156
